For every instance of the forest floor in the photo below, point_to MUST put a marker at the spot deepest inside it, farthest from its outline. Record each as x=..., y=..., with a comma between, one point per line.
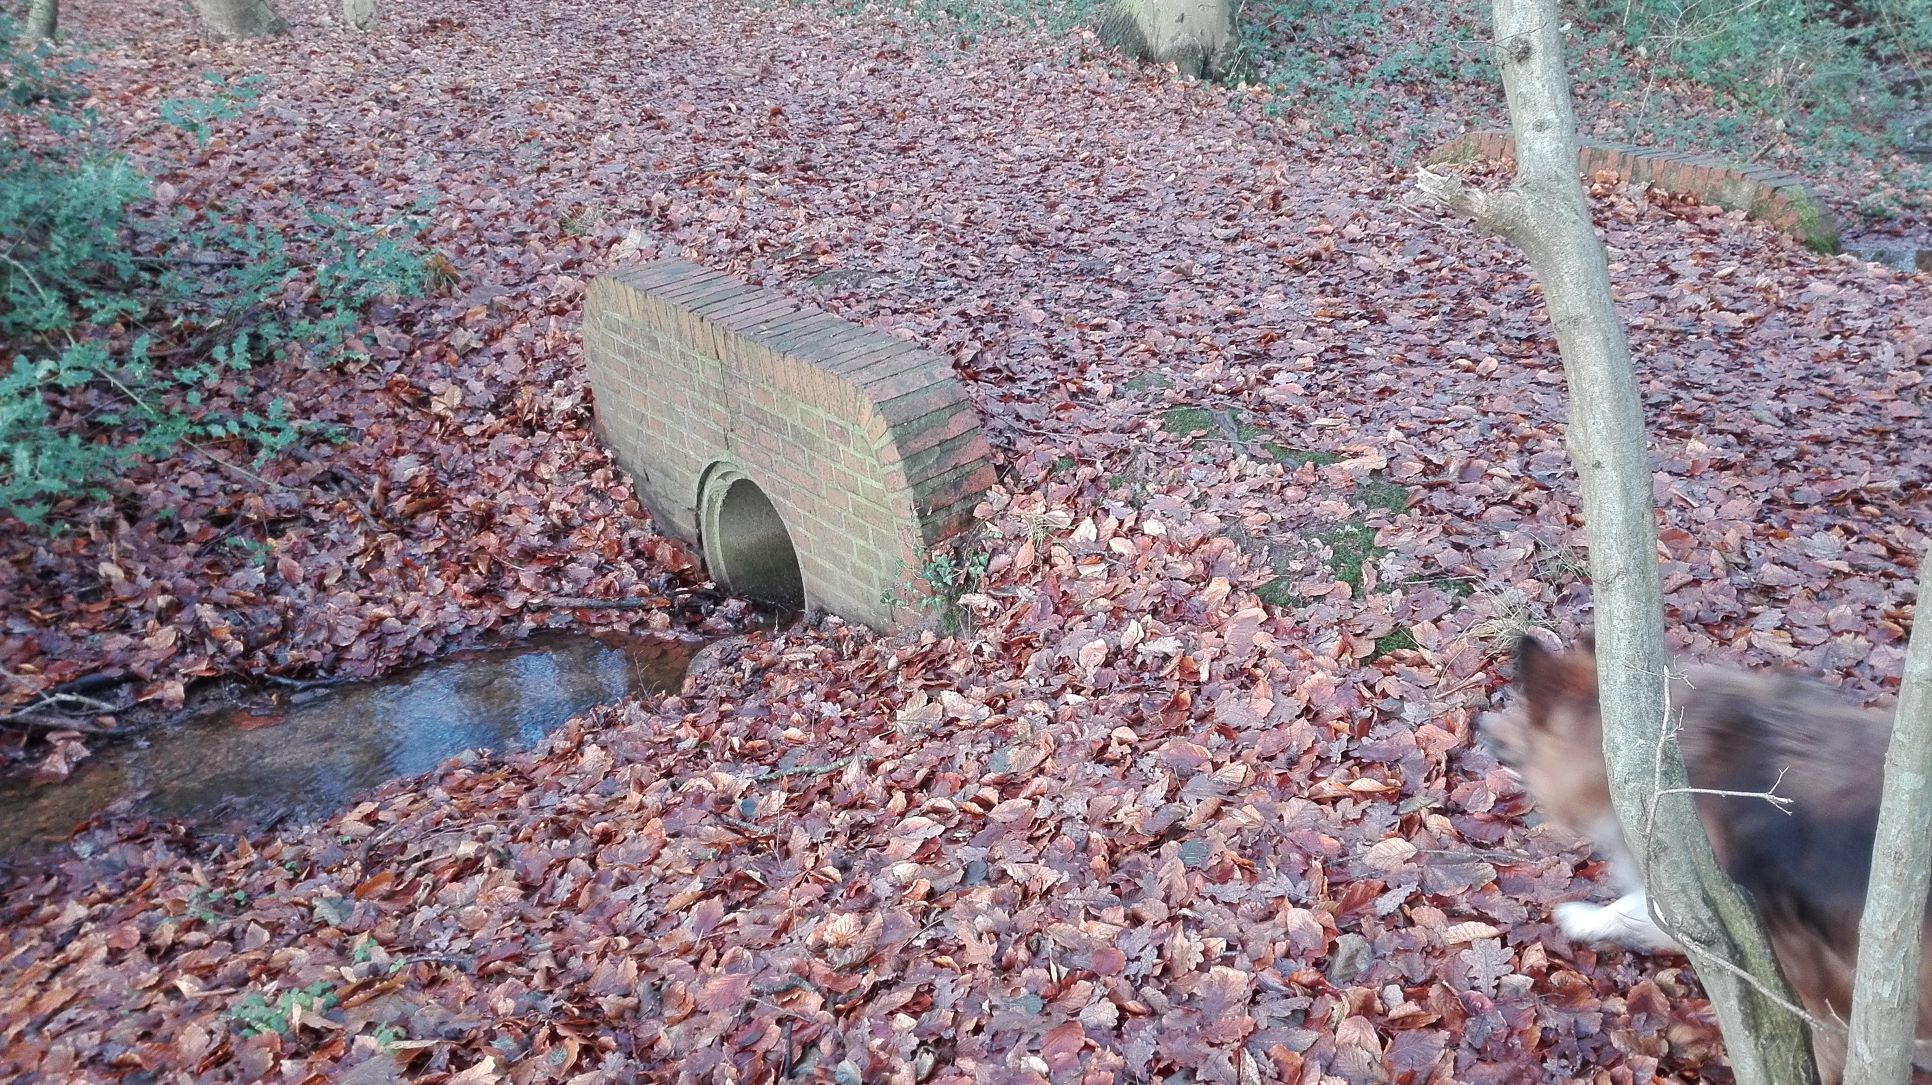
x=1282, y=471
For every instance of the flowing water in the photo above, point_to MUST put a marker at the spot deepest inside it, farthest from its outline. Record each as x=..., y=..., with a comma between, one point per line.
x=305, y=759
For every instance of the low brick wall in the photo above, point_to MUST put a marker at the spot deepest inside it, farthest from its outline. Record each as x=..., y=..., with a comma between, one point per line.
x=866, y=445
x=1769, y=195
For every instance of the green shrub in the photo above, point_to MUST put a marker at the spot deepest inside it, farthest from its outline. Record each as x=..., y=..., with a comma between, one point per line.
x=1817, y=68
x=123, y=324
x=1338, y=65
x=255, y=1014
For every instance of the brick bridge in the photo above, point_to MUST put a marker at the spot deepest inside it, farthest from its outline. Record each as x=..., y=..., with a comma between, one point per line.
x=815, y=461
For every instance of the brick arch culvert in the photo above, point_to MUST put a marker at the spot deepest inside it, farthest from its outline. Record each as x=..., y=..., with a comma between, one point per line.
x=814, y=461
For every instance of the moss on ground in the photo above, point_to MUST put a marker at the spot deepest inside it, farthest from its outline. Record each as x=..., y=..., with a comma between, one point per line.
x=1150, y=380
x=1399, y=640
x=1207, y=426
x=1350, y=544
x=1379, y=493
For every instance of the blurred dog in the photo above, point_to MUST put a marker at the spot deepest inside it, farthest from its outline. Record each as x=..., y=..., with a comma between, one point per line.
x=1806, y=865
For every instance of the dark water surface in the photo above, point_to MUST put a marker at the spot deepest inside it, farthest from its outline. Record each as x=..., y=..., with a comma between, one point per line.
x=1899, y=247
x=305, y=760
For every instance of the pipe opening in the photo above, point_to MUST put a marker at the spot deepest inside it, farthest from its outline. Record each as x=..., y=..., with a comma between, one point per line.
x=751, y=551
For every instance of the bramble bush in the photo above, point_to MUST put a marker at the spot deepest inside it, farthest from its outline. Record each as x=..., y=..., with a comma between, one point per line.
x=124, y=324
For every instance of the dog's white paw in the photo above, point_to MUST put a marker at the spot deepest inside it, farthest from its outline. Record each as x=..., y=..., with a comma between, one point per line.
x=1585, y=922
x=1625, y=921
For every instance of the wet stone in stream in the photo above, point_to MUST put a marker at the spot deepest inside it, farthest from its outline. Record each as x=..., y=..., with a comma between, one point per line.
x=306, y=760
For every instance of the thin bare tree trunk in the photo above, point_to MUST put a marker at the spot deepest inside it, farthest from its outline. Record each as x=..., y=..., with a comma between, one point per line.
x=1891, y=934
x=1545, y=213
x=43, y=20
x=238, y=20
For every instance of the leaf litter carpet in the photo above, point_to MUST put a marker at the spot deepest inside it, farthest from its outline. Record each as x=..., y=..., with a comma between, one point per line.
x=1193, y=792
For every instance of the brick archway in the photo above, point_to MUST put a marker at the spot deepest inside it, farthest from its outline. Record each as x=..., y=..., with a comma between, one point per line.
x=863, y=446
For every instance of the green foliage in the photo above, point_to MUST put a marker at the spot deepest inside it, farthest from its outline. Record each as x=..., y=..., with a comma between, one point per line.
x=1379, y=493
x=1334, y=65
x=947, y=576
x=1813, y=66
x=1398, y=641
x=387, y=1037
x=255, y=1014
x=582, y=223
x=226, y=101
x=947, y=579
x=1820, y=72
x=1203, y=426
x=207, y=904
x=126, y=328
x=1351, y=544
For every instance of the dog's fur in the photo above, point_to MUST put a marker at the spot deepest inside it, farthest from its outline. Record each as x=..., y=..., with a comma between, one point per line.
x=1806, y=867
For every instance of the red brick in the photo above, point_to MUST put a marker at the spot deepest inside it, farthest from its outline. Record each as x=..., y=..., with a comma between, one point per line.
x=836, y=349
x=690, y=368
x=892, y=366
x=920, y=400
x=763, y=310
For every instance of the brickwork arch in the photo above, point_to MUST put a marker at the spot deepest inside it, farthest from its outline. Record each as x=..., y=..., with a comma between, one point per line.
x=864, y=445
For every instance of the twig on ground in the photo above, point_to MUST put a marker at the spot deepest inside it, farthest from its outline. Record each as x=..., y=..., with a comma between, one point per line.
x=805, y=770
x=749, y=828
x=463, y=961
x=300, y=684
x=237, y=469
x=789, y=983
x=1485, y=855
x=368, y=512
x=57, y=723
x=48, y=700
x=571, y=602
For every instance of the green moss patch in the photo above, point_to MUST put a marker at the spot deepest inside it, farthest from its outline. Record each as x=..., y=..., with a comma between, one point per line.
x=1207, y=426
x=1379, y=493
x=1399, y=640
x=1350, y=544
x=1151, y=380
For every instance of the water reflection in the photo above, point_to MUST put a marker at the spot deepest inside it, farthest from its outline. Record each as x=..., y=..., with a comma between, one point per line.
x=312, y=757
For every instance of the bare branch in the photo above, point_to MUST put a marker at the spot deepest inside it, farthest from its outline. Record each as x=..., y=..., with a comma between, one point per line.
x=1704, y=954
x=1503, y=212
x=1770, y=795
x=55, y=723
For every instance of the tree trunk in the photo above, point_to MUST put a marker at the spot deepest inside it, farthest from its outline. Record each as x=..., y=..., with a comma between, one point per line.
x=239, y=20
x=359, y=14
x=1544, y=212
x=1193, y=35
x=43, y=20
x=1891, y=934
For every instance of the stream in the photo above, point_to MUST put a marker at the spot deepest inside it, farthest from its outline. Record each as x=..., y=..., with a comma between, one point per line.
x=308, y=756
